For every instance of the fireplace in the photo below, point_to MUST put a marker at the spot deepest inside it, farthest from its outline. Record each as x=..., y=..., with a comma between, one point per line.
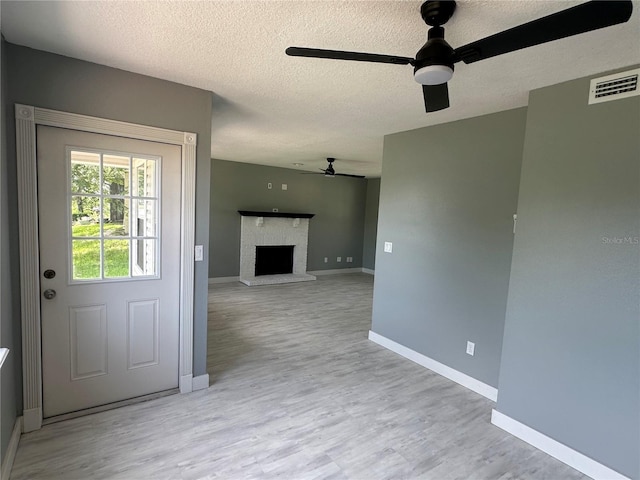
x=283, y=237
x=274, y=259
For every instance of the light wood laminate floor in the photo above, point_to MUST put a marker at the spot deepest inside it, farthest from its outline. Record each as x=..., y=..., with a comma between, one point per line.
x=297, y=392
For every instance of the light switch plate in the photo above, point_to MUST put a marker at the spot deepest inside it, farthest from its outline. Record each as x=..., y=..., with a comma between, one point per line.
x=198, y=253
x=284, y=186
x=388, y=247
x=471, y=348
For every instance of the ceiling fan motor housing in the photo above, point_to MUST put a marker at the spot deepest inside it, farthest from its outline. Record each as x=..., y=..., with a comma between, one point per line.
x=329, y=171
x=437, y=12
x=434, y=61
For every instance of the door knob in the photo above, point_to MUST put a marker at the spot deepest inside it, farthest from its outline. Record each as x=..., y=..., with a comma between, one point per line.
x=49, y=293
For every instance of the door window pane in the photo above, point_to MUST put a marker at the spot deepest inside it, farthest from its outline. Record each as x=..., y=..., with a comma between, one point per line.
x=85, y=172
x=145, y=218
x=145, y=177
x=115, y=175
x=85, y=216
x=86, y=259
x=116, y=258
x=116, y=217
x=145, y=254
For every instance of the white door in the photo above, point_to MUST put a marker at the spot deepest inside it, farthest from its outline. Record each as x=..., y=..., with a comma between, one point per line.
x=109, y=236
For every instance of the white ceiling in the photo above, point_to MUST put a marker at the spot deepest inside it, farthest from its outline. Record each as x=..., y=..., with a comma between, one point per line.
x=277, y=110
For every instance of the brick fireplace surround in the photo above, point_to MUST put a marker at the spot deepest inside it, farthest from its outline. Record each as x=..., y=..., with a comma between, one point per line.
x=273, y=228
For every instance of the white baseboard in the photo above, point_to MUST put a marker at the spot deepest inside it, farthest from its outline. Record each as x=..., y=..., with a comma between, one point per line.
x=31, y=420
x=336, y=271
x=463, y=379
x=368, y=270
x=554, y=448
x=223, y=280
x=12, y=448
x=201, y=382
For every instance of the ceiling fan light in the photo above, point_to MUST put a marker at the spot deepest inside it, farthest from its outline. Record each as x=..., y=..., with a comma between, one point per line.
x=433, y=74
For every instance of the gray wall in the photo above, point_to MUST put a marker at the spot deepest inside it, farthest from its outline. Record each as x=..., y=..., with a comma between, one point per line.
x=61, y=83
x=570, y=362
x=371, y=224
x=447, y=201
x=11, y=384
x=335, y=230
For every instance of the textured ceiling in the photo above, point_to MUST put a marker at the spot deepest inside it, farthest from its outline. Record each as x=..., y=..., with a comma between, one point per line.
x=278, y=110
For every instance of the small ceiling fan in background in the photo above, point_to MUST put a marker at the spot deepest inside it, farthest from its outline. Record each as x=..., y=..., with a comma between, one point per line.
x=433, y=65
x=330, y=171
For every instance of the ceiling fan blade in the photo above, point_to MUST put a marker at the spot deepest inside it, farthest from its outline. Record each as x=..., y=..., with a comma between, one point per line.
x=341, y=55
x=436, y=97
x=348, y=175
x=582, y=18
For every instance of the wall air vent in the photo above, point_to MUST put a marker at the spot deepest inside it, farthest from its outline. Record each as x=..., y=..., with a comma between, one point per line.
x=614, y=87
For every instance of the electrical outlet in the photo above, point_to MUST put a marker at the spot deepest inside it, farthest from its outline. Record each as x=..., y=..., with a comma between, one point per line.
x=326, y=259
x=274, y=210
x=388, y=247
x=471, y=348
x=349, y=259
x=269, y=185
x=339, y=259
x=284, y=186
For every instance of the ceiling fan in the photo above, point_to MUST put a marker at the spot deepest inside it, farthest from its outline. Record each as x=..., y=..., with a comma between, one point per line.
x=330, y=171
x=433, y=65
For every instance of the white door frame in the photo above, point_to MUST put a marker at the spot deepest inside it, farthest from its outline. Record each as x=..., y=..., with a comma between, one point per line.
x=27, y=118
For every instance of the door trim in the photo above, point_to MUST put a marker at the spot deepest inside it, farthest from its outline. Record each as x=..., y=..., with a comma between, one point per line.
x=27, y=118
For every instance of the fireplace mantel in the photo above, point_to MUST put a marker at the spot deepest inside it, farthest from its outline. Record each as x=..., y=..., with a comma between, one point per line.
x=248, y=213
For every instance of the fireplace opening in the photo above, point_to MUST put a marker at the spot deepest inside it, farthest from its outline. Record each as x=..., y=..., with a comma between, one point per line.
x=274, y=259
